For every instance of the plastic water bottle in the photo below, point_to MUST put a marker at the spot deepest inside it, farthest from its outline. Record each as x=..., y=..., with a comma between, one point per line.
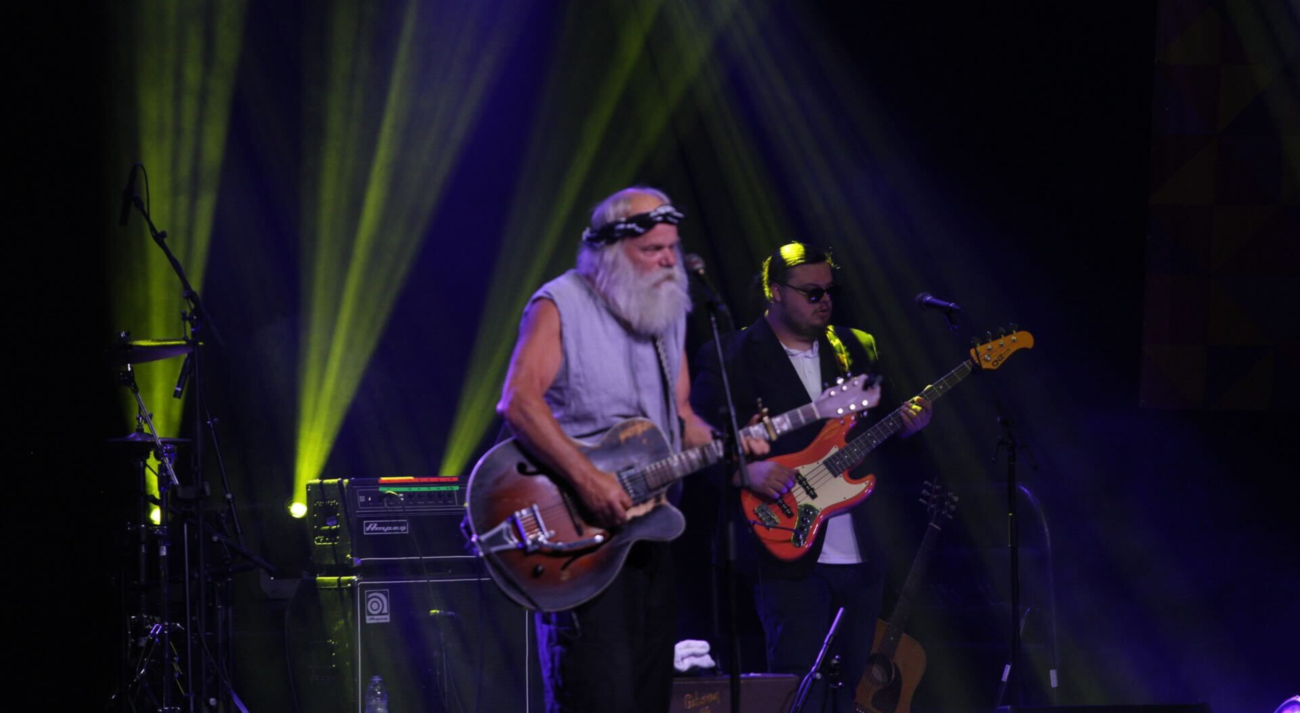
x=376, y=696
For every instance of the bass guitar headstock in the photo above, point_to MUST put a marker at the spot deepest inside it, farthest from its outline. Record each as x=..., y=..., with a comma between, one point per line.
x=990, y=353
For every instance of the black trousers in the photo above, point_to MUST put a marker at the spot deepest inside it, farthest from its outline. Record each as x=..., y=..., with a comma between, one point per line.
x=797, y=614
x=615, y=653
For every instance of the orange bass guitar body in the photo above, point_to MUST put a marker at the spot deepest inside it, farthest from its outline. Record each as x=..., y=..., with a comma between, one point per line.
x=788, y=527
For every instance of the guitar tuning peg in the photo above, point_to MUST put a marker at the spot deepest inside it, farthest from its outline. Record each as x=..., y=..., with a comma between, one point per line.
x=1002, y=332
x=839, y=380
x=988, y=336
x=1014, y=327
x=974, y=342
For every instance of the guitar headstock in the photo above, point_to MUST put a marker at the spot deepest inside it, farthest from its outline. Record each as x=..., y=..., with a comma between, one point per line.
x=995, y=349
x=846, y=397
x=938, y=502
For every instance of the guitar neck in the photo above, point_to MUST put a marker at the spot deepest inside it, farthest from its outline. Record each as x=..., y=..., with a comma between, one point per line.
x=906, y=598
x=659, y=475
x=859, y=448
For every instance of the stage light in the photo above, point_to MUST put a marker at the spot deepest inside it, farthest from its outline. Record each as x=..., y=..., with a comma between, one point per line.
x=297, y=510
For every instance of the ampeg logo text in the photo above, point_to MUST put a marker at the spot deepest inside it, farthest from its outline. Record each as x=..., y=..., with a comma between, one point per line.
x=377, y=606
x=385, y=527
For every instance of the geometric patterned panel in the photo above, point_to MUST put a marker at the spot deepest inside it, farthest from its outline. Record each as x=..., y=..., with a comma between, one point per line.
x=1222, y=301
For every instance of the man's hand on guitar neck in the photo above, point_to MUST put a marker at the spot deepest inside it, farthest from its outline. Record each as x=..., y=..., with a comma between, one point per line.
x=916, y=414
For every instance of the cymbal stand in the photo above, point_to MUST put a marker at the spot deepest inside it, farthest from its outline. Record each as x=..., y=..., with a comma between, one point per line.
x=202, y=325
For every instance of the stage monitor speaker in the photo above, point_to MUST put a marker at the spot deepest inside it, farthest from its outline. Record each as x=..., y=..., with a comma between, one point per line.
x=439, y=644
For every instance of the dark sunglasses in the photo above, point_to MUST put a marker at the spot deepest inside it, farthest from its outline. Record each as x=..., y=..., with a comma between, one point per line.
x=815, y=294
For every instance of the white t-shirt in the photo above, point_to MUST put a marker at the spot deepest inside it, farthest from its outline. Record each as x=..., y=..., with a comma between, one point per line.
x=841, y=546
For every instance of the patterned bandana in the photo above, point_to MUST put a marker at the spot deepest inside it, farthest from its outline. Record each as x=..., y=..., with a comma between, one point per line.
x=633, y=225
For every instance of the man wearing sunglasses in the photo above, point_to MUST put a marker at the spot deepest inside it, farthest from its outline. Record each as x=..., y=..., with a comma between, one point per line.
x=785, y=359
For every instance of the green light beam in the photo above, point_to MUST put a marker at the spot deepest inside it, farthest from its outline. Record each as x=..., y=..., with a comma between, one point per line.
x=375, y=182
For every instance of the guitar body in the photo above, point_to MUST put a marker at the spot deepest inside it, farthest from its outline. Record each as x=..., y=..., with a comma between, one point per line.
x=889, y=683
x=780, y=529
x=511, y=500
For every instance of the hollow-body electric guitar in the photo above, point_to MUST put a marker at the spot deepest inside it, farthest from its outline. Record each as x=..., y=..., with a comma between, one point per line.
x=897, y=661
x=788, y=526
x=533, y=531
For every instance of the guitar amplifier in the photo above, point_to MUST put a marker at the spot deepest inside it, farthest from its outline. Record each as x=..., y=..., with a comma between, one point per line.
x=389, y=523
x=759, y=693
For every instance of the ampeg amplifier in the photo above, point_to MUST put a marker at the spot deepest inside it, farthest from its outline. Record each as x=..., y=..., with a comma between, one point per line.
x=385, y=523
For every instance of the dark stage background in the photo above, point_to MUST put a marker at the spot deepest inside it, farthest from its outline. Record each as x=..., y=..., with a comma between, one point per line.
x=1017, y=160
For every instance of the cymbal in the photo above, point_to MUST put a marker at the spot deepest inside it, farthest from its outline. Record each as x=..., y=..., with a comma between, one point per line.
x=143, y=350
x=139, y=439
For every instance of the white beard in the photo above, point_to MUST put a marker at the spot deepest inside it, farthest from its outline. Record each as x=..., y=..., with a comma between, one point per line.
x=651, y=303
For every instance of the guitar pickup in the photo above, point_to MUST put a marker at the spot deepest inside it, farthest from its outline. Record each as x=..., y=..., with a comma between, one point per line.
x=765, y=515
x=803, y=483
x=807, y=515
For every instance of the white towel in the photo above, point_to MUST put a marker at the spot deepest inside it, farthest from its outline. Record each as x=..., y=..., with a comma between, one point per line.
x=692, y=653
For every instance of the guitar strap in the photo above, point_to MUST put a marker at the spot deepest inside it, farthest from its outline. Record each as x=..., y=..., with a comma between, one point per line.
x=841, y=352
x=674, y=421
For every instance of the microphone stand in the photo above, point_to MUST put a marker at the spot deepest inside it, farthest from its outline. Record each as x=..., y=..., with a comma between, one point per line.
x=199, y=321
x=1009, y=441
x=805, y=686
x=731, y=496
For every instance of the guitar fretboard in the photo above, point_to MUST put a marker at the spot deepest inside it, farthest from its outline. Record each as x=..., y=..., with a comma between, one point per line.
x=859, y=448
x=647, y=482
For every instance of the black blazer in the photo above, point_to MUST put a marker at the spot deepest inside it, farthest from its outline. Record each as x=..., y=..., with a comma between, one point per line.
x=759, y=368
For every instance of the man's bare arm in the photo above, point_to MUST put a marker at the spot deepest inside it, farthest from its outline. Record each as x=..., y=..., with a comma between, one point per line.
x=533, y=367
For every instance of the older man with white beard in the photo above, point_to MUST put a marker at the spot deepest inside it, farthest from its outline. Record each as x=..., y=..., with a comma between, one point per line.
x=599, y=344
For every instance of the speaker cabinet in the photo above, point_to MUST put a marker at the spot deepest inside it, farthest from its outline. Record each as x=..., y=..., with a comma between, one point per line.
x=452, y=644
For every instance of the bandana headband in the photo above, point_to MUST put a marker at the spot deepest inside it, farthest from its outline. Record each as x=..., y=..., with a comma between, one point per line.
x=633, y=225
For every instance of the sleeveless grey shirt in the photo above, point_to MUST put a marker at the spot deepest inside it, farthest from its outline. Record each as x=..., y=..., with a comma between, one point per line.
x=608, y=373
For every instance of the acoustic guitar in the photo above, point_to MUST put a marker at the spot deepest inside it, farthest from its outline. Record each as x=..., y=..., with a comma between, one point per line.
x=897, y=661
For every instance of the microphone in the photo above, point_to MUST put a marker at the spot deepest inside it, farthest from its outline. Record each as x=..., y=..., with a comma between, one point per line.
x=695, y=265
x=925, y=299
x=187, y=368
x=128, y=194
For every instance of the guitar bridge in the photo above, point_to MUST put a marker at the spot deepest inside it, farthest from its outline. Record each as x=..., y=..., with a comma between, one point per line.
x=807, y=514
x=765, y=515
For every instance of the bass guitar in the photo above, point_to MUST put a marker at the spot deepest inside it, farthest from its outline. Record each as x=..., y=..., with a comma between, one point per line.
x=533, y=531
x=788, y=526
x=897, y=661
